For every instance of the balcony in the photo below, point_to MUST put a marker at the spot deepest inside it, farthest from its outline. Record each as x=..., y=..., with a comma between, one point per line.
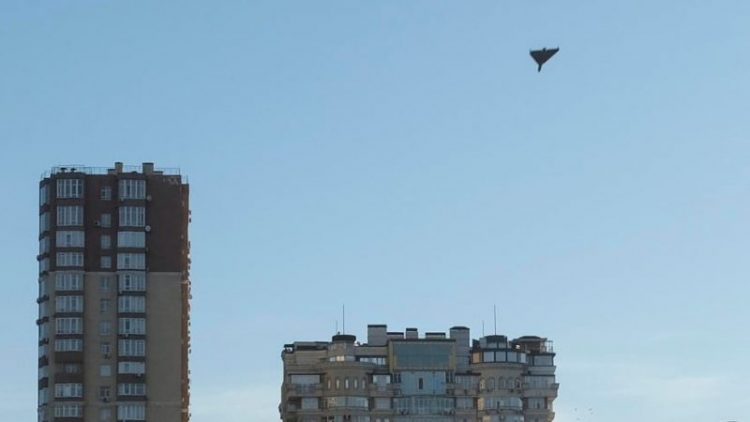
x=304, y=389
x=532, y=390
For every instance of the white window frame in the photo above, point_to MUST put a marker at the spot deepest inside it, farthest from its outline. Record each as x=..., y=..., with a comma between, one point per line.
x=68, y=390
x=131, y=261
x=131, y=282
x=131, y=412
x=132, y=189
x=69, y=325
x=70, y=188
x=68, y=281
x=136, y=304
x=69, y=304
x=131, y=239
x=132, y=216
x=132, y=326
x=131, y=347
x=69, y=215
x=69, y=259
x=70, y=239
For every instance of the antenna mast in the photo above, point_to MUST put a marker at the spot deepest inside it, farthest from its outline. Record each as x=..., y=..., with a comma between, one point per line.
x=494, y=314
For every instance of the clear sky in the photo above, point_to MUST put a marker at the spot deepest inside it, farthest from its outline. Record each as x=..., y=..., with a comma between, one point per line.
x=405, y=157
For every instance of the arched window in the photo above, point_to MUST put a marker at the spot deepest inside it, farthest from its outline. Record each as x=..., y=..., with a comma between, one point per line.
x=346, y=383
x=481, y=384
x=356, y=383
x=491, y=384
x=338, y=383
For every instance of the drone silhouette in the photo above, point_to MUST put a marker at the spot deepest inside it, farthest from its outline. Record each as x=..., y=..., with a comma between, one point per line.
x=541, y=56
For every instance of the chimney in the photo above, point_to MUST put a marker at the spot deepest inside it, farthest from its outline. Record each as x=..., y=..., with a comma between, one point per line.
x=118, y=167
x=377, y=334
x=462, y=336
x=412, y=334
x=148, y=168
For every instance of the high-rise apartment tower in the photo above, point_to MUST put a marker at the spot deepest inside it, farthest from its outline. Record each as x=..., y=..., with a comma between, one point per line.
x=402, y=377
x=113, y=295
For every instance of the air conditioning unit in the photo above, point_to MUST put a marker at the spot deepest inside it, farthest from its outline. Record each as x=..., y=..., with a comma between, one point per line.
x=148, y=198
x=98, y=223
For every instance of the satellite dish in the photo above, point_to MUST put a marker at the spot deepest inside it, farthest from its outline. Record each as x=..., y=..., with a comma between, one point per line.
x=541, y=56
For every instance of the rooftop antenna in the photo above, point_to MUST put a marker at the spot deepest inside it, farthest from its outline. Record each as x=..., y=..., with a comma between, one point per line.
x=482, y=328
x=494, y=314
x=337, y=327
x=343, y=319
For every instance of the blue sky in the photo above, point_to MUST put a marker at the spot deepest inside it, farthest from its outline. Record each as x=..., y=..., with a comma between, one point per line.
x=405, y=158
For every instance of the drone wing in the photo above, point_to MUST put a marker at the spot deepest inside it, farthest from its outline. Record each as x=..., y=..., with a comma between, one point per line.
x=541, y=56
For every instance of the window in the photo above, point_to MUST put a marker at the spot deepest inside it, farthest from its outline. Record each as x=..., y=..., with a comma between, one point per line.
x=69, y=304
x=105, y=241
x=43, y=397
x=131, y=239
x=135, y=326
x=104, y=393
x=70, y=239
x=132, y=282
x=42, y=286
x=68, y=390
x=309, y=403
x=131, y=412
x=43, y=195
x=44, y=331
x=69, y=326
x=105, y=220
x=131, y=304
x=105, y=370
x=69, y=259
x=65, y=281
x=131, y=368
x=69, y=345
x=105, y=414
x=43, y=222
x=105, y=262
x=131, y=389
x=105, y=193
x=68, y=411
x=43, y=245
x=131, y=261
x=132, y=216
x=105, y=283
x=69, y=215
x=105, y=328
x=43, y=265
x=132, y=189
x=70, y=188
x=72, y=368
x=105, y=349
x=131, y=347
x=104, y=305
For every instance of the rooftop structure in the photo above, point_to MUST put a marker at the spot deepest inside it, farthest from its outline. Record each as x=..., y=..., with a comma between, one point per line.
x=404, y=377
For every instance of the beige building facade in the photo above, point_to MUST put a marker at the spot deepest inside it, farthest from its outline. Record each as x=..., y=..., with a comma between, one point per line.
x=402, y=377
x=114, y=293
